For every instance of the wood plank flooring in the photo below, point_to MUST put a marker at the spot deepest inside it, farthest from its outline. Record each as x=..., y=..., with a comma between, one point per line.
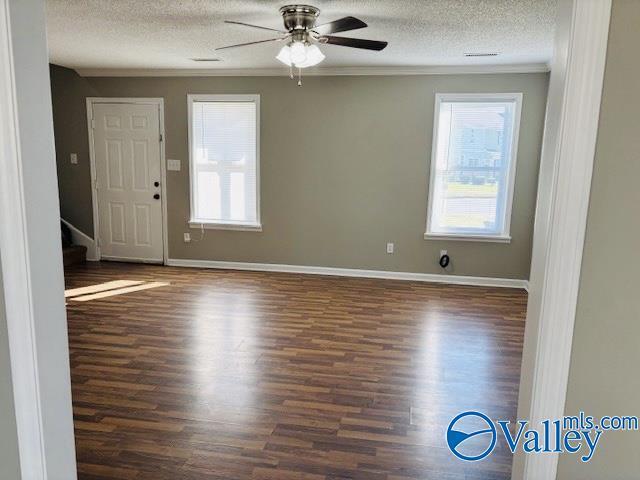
x=249, y=375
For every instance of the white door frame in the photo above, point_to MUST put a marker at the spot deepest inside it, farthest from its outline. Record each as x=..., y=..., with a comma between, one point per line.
x=15, y=271
x=159, y=102
x=568, y=151
x=32, y=275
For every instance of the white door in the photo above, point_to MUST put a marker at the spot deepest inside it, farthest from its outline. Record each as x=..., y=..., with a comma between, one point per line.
x=127, y=167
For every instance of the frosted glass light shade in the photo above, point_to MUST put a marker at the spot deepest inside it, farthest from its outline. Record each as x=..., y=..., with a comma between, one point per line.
x=300, y=55
x=314, y=57
x=285, y=55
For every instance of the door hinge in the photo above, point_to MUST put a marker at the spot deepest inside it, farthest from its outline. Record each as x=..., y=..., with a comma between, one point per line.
x=93, y=124
x=161, y=137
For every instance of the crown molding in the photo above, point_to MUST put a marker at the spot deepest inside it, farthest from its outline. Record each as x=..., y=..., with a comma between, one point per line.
x=329, y=71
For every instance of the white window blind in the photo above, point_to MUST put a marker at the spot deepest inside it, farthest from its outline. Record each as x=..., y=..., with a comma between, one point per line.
x=224, y=160
x=473, y=165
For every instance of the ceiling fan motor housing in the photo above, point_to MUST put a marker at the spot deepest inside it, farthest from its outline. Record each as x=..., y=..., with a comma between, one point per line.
x=302, y=34
x=299, y=17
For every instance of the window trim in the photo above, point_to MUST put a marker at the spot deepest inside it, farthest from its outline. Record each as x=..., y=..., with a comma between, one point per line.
x=505, y=235
x=217, y=225
x=468, y=237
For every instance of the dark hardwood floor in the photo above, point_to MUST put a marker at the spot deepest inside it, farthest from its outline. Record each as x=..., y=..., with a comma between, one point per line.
x=248, y=375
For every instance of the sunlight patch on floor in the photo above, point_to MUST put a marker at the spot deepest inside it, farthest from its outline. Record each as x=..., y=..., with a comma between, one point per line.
x=110, y=289
x=101, y=287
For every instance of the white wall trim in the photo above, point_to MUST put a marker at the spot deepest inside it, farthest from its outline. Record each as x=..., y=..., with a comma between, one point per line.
x=468, y=237
x=81, y=238
x=241, y=227
x=329, y=71
x=16, y=271
x=163, y=166
x=561, y=223
x=351, y=272
x=32, y=275
x=132, y=260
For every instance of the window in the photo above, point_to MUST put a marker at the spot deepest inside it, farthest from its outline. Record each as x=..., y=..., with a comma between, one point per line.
x=224, y=161
x=473, y=166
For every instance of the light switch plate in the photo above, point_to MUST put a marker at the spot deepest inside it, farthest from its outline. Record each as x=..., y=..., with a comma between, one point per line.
x=173, y=165
x=74, y=158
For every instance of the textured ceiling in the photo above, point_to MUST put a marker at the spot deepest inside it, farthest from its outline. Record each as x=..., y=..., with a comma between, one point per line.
x=140, y=34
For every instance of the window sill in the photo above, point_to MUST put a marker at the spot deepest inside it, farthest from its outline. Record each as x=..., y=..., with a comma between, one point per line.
x=468, y=237
x=249, y=227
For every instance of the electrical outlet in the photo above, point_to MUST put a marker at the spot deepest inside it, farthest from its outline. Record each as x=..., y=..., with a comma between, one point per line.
x=444, y=259
x=173, y=165
x=389, y=247
x=73, y=158
x=187, y=237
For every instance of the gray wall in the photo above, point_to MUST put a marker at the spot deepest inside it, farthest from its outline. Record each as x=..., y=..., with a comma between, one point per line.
x=9, y=464
x=70, y=130
x=355, y=177
x=604, y=378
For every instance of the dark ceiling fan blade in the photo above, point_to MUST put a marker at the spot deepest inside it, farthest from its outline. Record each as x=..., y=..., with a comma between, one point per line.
x=353, y=42
x=251, y=43
x=342, y=25
x=253, y=26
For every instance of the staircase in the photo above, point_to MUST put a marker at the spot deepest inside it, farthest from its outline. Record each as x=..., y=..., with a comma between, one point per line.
x=71, y=254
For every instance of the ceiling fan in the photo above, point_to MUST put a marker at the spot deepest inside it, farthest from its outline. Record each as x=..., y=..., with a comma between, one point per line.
x=303, y=36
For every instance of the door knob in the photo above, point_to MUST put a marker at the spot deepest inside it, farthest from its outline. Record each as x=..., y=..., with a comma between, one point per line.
x=156, y=196
x=156, y=184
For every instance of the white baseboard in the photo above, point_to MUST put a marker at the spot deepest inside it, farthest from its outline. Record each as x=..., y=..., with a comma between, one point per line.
x=151, y=261
x=352, y=272
x=81, y=238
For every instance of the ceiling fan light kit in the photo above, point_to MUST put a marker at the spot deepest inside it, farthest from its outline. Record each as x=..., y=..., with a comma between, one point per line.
x=302, y=36
x=300, y=55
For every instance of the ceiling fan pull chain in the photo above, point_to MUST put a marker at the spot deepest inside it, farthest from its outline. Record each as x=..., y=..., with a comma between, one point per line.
x=291, y=71
x=299, y=77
